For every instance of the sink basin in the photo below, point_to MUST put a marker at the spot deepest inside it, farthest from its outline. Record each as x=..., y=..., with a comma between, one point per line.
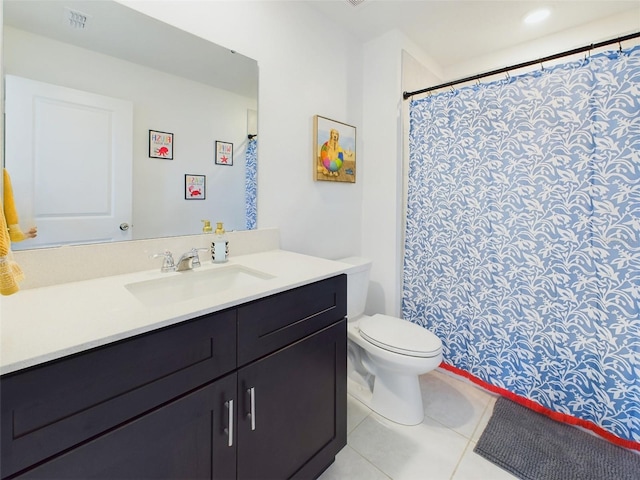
x=192, y=284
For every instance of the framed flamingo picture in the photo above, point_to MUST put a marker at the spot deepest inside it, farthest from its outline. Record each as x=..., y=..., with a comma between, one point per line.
x=160, y=145
x=224, y=153
x=194, y=187
x=334, y=150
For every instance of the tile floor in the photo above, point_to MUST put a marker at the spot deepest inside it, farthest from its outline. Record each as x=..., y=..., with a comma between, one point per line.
x=441, y=448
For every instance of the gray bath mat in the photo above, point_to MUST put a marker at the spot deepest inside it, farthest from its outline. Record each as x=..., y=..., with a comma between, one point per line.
x=531, y=446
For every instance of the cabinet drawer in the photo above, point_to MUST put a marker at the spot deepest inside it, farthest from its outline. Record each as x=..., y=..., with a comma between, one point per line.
x=50, y=408
x=271, y=323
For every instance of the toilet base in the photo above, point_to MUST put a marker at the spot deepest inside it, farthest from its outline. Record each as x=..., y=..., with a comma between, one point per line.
x=396, y=397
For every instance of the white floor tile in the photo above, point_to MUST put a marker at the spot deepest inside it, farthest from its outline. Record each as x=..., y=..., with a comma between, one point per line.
x=356, y=413
x=484, y=420
x=352, y=466
x=474, y=467
x=424, y=451
x=441, y=448
x=457, y=404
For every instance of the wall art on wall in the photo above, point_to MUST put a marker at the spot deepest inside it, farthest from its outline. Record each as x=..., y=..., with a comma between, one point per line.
x=194, y=187
x=224, y=153
x=160, y=145
x=334, y=150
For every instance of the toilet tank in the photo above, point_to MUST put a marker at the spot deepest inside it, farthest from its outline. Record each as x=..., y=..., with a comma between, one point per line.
x=357, y=284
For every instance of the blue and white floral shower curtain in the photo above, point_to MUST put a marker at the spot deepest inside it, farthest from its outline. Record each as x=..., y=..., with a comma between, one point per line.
x=522, y=247
x=251, y=184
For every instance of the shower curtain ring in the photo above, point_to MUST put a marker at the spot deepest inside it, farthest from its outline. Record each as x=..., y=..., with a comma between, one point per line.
x=587, y=54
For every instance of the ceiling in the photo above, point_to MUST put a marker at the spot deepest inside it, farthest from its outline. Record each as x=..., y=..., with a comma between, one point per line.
x=164, y=48
x=449, y=31
x=456, y=31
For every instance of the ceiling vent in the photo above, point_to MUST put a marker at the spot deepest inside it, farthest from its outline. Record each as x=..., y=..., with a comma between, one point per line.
x=355, y=3
x=76, y=20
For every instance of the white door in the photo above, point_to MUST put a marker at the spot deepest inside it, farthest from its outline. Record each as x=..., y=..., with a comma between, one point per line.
x=69, y=155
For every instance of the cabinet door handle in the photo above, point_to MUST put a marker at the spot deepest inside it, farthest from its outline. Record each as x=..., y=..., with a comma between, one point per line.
x=229, y=429
x=252, y=412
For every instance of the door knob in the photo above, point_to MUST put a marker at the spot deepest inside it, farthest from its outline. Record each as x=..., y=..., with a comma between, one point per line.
x=124, y=227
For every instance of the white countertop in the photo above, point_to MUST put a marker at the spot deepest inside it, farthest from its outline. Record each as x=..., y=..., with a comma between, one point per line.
x=43, y=324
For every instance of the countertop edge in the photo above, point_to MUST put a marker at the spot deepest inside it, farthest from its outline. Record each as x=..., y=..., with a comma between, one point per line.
x=310, y=269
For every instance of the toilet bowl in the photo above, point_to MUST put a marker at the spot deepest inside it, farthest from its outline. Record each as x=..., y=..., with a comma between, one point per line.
x=385, y=354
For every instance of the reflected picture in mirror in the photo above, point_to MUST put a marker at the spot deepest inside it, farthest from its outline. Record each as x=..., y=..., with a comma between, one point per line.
x=160, y=145
x=80, y=103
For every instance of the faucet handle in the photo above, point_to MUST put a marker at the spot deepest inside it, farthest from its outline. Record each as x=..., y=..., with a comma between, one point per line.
x=168, y=265
x=195, y=261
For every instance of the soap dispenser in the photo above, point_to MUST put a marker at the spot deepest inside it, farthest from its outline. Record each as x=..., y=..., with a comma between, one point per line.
x=220, y=245
x=206, y=228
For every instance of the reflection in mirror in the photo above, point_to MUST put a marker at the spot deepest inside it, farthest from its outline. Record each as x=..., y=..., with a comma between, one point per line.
x=90, y=87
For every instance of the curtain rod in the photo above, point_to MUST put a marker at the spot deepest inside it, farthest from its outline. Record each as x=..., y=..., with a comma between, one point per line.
x=586, y=48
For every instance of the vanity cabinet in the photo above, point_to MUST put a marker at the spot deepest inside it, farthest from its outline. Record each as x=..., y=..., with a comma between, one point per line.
x=256, y=391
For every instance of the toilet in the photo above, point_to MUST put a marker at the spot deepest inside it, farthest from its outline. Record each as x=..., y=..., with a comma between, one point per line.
x=385, y=354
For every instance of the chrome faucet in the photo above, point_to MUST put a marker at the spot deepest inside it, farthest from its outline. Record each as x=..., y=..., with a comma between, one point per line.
x=187, y=261
x=168, y=264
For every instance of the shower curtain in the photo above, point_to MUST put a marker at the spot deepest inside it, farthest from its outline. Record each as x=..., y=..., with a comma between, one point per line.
x=251, y=184
x=522, y=248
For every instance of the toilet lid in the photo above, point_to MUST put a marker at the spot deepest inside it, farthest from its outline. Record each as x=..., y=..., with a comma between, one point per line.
x=400, y=336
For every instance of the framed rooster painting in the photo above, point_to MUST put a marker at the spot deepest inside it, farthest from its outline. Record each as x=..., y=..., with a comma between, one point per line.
x=334, y=150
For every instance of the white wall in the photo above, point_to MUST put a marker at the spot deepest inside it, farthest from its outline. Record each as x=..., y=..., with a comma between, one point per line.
x=381, y=229
x=383, y=205
x=195, y=113
x=307, y=66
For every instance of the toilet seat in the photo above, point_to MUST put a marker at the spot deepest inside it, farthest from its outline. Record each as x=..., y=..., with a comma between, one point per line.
x=400, y=336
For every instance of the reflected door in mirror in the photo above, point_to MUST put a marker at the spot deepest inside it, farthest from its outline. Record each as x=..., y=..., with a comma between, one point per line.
x=69, y=154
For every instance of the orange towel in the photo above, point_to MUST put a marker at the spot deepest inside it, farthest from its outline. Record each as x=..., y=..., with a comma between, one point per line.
x=10, y=272
x=10, y=212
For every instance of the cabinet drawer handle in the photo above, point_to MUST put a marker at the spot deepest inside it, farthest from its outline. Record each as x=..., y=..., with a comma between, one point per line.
x=229, y=430
x=252, y=413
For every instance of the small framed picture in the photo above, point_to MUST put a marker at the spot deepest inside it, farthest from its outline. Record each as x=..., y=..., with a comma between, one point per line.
x=160, y=145
x=194, y=187
x=224, y=153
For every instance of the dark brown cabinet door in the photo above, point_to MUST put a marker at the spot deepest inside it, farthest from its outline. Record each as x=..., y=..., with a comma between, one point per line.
x=187, y=438
x=292, y=417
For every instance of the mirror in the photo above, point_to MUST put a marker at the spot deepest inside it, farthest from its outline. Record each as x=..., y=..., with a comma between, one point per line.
x=203, y=95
